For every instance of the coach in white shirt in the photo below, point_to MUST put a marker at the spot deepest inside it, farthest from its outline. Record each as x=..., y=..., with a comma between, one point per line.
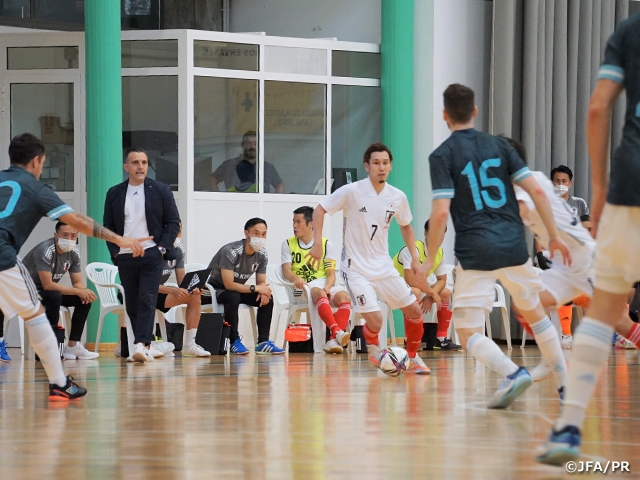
x=137, y=208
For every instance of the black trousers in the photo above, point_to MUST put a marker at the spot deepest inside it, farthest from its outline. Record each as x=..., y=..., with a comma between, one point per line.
x=232, y=300
x=52, y=301
x=140, y=278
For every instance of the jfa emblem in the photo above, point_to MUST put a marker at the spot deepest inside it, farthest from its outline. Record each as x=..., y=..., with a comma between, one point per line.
x=362, y=301
x=254, y=267
x=66, y=266
x=389, y=215
x=172, y=263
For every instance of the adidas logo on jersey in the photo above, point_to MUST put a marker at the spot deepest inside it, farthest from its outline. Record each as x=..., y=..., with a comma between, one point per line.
x=194, y=281
x=363, y=210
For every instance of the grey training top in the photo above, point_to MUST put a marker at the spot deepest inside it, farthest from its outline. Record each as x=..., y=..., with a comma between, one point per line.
x=45, y=258
x=170, y=265
x=233, y=257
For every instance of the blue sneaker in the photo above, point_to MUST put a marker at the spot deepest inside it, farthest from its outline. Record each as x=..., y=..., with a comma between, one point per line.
x=562, y=447
x=4, y=356
x=237, y=348
x=514, y=385
x=268, y=348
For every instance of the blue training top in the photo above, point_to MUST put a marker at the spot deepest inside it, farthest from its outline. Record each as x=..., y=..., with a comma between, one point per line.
x=476, y=170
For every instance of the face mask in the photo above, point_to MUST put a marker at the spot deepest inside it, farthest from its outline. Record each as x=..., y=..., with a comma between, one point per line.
x=257, y=243
x=561, y=189
x=177, y=242
x=66, y=245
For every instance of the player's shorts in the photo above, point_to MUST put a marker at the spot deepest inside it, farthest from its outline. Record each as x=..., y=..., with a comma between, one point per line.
x=475, y=288
x=18, y=293
x=567, y=283
x=617, y=264
x=392, y=290
x=319, y=283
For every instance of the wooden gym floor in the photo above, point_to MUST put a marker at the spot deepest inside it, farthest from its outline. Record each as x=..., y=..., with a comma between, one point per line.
x=301, y=416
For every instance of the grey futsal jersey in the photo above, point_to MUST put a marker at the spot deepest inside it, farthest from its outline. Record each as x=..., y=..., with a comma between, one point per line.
x=23, y=202
x=579, y=207
x=233, y=257
x=45, y=258
x=171, y=265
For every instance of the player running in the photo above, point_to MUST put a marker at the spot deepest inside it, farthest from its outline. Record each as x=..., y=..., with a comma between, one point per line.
x=23, y=202
x=472, y=174
x=617, y=262
x=368, y=207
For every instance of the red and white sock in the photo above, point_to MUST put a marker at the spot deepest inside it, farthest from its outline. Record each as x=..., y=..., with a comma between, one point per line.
x=342, y=315
x=634, y=335
x=370, y=336
x=326, y=314
x=444, y=320
x=413, y=329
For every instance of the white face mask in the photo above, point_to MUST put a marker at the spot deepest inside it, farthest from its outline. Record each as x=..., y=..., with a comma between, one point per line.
x=66, y=245
x=257, y=243
x=561, y=189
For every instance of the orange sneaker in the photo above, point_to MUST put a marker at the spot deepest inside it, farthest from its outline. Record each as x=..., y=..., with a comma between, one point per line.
x=417, y=365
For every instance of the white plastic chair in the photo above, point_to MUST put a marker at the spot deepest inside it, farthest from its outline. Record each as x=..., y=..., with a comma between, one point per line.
x=501, y=303
x=280, y=299
x=65, y=318
x=215, y=307
x=103, y=276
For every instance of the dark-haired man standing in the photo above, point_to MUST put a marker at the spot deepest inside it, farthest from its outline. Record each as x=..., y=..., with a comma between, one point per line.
x=142, y=207
x=231, y=267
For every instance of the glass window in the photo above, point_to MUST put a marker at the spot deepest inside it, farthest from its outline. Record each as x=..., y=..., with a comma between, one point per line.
x=295, y=135
x=64, y=11
x=355, y=124
x=46, y=110
x=225, y=140
x=151, y=124
x=15, y=8
x=233, y=56
x=149, y=53
x=27, y=58
x=304, y=61
x=142, y=15
x=355, y=64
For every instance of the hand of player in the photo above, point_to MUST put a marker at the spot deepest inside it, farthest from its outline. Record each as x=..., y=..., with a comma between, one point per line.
x=315, y=256
x=86, y=295
x=327, y=291
x=298, y=283
x=264, y=290
x=197, y=291
x=557, y=244
x=598, y=199
x=180, y=294
x=426, y=303
x=263, y=299
x=135, y=244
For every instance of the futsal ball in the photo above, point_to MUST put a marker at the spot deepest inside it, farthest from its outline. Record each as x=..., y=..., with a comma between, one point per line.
x=394, y=361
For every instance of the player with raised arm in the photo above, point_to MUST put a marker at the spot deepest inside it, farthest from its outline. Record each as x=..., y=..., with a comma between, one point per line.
x=616, y=225
x=368, y=207
x=472, y=174
x=23, y=202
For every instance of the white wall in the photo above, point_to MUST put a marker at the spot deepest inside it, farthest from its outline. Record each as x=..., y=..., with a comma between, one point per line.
x=462, y=54
x=348, y=20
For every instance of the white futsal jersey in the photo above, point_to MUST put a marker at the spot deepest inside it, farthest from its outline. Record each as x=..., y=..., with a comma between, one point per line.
x=569, y=226
x=367, y=216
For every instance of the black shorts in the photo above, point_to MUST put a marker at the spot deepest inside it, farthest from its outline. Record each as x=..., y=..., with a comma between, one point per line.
x=162, y=297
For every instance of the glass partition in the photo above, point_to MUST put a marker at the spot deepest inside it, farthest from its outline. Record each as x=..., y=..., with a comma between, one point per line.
x=150, y=122
x=225, y=139
x=149, y=53
x=232, y=56
x=355, y=124
x=355, y=64
x=295, y=136
x=28, y=58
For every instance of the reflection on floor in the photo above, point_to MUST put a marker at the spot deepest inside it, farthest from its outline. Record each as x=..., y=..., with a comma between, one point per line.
x=301, y=416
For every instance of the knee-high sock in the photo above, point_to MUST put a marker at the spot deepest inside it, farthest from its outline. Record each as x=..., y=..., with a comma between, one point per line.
x=549, y=345
x=489, y=354
x=444, y=319
x=370, y=336
x=326, y=314
x=413, y=329
x=46, y=346
x=591, y=347
x=566, y=314
x=342, y=315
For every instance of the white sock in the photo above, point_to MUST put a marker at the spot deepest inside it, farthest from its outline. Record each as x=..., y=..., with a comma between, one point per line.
x=190, y=336
x=551, y=350
x=489, y=354
x=45, y=344
x=441, y=338
x=591, y=347
x=1, y=339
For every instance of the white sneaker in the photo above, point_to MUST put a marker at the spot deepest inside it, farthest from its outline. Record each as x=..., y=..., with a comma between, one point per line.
x=540, y=371
x=140, y=354
x=343, y=338
x=155, y=352
x=622, y=342
x=78, y=352
x=566, y=341
x=417, y=365
x=118, y=350
x=332, y=346
x=194, y=350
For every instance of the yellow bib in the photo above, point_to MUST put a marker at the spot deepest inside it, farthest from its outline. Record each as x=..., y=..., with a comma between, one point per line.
x=300, y=257
x=422, y=251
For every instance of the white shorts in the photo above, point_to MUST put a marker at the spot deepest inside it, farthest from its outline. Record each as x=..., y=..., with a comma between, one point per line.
x=567, y=283
x=617, y=264
x=475, y=288
x=320, y=283
x=392, y=290
x=18, y=293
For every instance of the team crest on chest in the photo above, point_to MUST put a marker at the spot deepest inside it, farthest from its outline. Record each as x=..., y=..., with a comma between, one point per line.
x=66, y=266
x=388, y=216
x=254, y=267
x=362, y=301
x=172, y=263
